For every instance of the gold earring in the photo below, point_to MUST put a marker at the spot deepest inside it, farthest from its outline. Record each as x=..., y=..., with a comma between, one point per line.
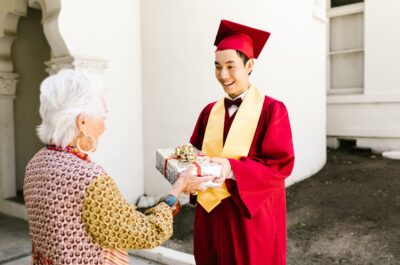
x=90, y=138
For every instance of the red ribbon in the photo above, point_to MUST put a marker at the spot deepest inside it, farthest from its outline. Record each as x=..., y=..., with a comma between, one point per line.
x=197, y=165
x=166, y=164
x=198, y=168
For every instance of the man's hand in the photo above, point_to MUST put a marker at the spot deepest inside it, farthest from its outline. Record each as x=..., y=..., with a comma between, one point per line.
x=226, y=168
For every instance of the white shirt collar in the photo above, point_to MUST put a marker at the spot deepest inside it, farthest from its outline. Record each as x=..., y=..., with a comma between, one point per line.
x=240, y=96
x=232, y=109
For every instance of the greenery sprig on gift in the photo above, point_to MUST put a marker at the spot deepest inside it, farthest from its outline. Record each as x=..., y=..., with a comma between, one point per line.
x=185, y=153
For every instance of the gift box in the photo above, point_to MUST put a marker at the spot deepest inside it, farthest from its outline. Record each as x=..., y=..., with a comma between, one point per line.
x=171, y=162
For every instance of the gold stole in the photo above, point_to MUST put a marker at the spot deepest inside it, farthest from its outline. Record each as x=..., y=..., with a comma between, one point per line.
x=237, y=142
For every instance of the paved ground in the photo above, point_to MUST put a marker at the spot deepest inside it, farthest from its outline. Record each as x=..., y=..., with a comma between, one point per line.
x=348, y=213
x=14, y=238
x=21, y=261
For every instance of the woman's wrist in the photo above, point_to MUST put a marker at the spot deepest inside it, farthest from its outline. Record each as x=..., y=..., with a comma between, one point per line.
x=175, y=192
x=178, y=187
x=172, y=201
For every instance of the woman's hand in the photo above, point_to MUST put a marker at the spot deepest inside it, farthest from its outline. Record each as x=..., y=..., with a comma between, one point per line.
x=188, y=182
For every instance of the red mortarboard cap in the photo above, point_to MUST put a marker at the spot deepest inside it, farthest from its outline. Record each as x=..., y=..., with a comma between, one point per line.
x=239, y=37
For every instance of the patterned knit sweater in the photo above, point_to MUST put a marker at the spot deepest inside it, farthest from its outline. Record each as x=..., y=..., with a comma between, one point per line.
x=78, y=216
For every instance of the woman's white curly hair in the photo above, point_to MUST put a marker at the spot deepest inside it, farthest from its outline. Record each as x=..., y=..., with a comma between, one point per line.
x=63, y=97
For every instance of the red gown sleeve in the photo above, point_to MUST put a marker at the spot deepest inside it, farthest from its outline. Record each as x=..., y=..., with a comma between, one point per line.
x=263, y=172
x=198, y=133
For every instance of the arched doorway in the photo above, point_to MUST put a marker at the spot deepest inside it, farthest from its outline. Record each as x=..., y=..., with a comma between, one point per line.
x=29, y=53
x=21, y=67
x=30, y=45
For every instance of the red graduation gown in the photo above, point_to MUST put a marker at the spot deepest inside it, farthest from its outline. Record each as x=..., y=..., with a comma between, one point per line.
x=249, y=228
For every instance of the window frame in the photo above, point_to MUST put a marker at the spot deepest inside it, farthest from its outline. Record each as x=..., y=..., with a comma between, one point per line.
x=339, y=11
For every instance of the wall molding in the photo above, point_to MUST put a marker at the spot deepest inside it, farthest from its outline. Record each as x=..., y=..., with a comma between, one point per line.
x=95, y=65
x=378, y=133
x=8, y=85
x=345, y=10
x=363, y=99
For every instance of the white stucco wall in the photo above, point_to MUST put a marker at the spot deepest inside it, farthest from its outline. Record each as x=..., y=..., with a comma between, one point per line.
x=178, y=72
x=382, y=47
x=373, y=117
x=111, y=31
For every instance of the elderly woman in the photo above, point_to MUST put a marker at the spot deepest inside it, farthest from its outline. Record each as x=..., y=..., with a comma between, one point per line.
x=76, y=212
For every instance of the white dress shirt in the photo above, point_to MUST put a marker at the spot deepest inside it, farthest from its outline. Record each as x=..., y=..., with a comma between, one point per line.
x=232, y=109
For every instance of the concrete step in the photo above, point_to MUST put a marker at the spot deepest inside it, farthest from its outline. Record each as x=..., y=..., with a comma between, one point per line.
x=14, y=238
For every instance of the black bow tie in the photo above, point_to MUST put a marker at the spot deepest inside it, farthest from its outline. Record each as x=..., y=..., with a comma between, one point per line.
x=229, y=102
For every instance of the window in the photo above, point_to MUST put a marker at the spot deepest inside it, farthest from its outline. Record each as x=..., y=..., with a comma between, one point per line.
x=346, y=47
x=335, y=3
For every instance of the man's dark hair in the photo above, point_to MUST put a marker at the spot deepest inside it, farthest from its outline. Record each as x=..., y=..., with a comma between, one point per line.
x=243, y=57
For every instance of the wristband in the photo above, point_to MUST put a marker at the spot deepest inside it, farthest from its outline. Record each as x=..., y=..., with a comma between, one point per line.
x=170, y=200
x=173, y=202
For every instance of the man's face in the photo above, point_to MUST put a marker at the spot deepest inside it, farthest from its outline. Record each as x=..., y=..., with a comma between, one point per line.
x=231, y=72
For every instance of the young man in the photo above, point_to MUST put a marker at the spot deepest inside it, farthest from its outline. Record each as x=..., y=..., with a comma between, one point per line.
x=244, y=221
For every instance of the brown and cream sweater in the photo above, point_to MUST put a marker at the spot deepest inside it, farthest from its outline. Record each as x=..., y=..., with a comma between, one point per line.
x=77, y=215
